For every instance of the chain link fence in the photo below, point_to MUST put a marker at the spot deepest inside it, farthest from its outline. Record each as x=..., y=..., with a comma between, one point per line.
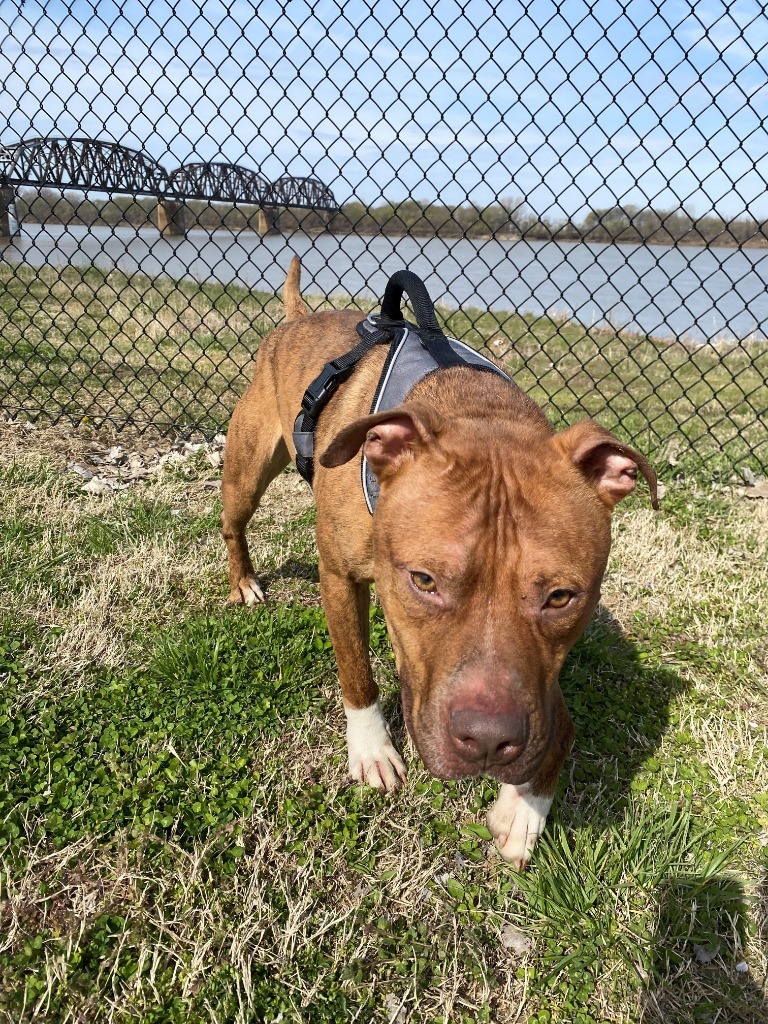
x=581, y=186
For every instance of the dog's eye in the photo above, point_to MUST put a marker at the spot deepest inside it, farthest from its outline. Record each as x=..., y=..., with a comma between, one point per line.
x=559, y=598
x=422, y=581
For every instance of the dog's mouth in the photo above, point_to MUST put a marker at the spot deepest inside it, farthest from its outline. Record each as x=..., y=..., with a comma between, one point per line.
x=444, y=763
x=518, y=772
x=449, y=767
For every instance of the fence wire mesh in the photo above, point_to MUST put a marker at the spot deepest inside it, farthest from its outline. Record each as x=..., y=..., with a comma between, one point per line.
x=580, y=185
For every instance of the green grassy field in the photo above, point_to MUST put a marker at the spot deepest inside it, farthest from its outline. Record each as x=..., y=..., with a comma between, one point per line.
x=83, y=342
x=179, y=844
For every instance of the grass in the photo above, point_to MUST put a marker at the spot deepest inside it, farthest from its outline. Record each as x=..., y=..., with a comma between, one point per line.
x=178, y=842
x=136, y=350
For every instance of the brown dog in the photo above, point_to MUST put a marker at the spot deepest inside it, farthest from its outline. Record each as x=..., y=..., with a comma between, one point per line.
x=487, y=548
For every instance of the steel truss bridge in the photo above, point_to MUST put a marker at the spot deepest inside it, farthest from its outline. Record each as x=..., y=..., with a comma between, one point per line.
x=89, y=165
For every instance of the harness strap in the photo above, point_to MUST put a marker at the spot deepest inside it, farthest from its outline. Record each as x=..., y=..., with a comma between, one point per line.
x=431, y=336
x=373, y=331
x=379, y=330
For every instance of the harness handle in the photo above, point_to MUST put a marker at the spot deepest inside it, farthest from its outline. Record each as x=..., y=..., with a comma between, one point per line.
x=406, y=281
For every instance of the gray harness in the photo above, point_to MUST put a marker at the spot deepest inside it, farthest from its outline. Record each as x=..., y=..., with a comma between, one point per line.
x=414, y=353
x=409, y=362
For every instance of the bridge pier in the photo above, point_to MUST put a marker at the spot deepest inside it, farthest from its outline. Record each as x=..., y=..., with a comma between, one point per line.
x=171, y=218
x=9, y=226
x=268, y=218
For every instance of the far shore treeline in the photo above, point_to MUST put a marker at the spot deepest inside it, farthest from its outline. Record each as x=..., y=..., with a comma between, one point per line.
x=509, y=219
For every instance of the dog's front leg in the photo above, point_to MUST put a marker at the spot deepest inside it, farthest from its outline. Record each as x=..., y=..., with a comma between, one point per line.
x=372, y=755
x=517, y=818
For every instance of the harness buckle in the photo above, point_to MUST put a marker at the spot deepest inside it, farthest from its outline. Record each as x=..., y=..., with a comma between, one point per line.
x=321, y=389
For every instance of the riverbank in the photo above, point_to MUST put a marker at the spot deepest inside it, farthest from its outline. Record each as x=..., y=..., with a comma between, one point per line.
x=723, y=241
x=129, y=349
x=505, y=220
x=701, y=294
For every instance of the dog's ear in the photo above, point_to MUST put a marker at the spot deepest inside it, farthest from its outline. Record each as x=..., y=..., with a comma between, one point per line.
x=386, y=437
x=608, y=464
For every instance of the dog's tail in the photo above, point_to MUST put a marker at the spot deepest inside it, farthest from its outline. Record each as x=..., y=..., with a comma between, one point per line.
x=292, y=300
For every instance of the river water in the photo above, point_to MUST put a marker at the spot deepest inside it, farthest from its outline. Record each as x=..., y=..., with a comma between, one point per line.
x=697, y=293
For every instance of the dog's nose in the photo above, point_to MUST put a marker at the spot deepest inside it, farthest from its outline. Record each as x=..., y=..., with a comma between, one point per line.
x=493, y=738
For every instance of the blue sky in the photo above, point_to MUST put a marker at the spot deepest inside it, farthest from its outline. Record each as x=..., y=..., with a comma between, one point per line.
x=570, y=105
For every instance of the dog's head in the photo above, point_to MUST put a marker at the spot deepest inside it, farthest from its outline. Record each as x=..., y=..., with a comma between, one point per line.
x=490, y=543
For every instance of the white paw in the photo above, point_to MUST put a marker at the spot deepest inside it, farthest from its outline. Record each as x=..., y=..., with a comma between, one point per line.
x=517, y=820
x=372, y=755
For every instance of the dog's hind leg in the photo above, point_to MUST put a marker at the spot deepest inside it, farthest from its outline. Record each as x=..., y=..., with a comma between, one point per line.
x=255, y=454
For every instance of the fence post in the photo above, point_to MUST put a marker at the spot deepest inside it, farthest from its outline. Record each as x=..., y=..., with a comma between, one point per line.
x=9, y=226
x=171, y=218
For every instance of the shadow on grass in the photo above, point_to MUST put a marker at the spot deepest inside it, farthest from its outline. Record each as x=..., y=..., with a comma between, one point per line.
x=608, y=837
x=698, y=944
x=620, y=707
x=293, y=569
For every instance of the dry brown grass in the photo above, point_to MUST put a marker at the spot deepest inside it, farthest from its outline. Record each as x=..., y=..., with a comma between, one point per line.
x=151, y=579
x=658, y=564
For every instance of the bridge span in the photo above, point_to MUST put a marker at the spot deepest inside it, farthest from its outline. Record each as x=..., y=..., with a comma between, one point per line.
x=91, y=165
